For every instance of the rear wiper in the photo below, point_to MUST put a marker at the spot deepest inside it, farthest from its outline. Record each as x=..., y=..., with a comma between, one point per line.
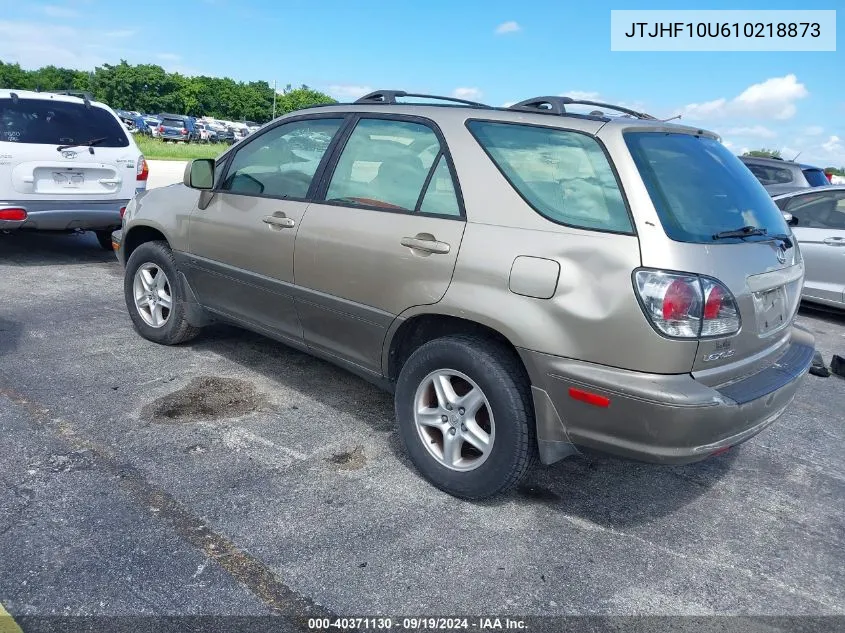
x=753, y=231
x=744, y=231
x=89, y=144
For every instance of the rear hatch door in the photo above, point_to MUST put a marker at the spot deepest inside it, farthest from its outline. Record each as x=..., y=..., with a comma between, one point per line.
x=44, y=152
x=700, y=193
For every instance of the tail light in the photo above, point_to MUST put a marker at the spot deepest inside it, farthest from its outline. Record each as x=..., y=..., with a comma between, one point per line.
x=122, y=212
x=184, y=131
x=161, y=129
x=686, y=306
x=14, y=214
x=829, y=176
x=143, y=169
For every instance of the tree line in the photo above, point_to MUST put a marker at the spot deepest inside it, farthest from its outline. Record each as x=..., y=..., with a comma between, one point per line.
x=149, y=88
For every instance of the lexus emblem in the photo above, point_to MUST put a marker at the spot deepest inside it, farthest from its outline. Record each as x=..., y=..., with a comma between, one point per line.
x=781, y=254
x=67, y=154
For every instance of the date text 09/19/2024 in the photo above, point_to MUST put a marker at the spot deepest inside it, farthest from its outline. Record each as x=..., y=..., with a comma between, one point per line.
x=417, y=624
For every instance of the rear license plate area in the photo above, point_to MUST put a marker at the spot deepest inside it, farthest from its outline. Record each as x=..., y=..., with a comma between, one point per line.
x=70, y=179
x=771, y=309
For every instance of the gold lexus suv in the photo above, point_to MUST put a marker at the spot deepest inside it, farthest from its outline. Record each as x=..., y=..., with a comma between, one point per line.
x=527, y=280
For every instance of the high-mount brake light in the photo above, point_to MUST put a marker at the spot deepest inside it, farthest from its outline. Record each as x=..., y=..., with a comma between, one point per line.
x=686, y=306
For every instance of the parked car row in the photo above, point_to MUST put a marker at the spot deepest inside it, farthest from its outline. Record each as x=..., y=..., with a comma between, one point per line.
x=186, y=129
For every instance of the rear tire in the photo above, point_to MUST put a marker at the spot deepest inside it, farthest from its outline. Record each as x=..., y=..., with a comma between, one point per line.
x=156, y=303
x=496, y=440
x=104, y=238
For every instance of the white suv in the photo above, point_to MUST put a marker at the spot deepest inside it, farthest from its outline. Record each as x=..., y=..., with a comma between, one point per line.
x=66, y=164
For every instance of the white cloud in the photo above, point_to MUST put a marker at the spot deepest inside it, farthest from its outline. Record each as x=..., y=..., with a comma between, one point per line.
x=473, y=94
x=581, y=94
x=774, y=98
x=34, y=45
x=168, y=57
x=756, y=131
x=56, y=11
x=508, y=27
x=834, y=145
x=348, y=91
x=814, y=130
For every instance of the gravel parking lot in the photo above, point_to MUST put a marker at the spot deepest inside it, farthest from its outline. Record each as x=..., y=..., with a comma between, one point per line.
x=236, y=476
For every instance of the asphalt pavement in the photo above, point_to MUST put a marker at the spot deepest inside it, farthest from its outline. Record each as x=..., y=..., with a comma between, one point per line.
x=233, y=475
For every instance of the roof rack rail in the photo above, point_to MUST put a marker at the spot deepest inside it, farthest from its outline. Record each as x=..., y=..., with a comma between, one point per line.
x=388, y=97
x=557, y=105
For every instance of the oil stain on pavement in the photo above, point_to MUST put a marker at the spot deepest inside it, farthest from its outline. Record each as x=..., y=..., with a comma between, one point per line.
x=206, y=398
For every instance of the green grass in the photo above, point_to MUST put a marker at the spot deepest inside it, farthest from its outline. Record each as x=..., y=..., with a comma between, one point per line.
x=153, y=148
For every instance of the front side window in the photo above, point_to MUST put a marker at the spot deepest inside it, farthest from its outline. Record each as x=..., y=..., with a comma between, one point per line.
x=53, y=122
x=386, y=164
x=821, y=210
x=564, y=175
x=281, y=162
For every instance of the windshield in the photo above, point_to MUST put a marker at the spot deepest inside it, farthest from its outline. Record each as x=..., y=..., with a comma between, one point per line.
x=699, y=188
x=52, y=122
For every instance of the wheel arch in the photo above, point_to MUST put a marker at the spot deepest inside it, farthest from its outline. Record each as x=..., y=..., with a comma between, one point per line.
x=409, y=333
x=139, y=234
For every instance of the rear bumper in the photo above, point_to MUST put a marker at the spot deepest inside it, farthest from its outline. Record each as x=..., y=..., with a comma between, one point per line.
x=64, y=215
x=655, y=417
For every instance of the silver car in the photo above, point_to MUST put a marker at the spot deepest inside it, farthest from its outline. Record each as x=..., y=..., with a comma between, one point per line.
x=526, y=280
x=817, y=217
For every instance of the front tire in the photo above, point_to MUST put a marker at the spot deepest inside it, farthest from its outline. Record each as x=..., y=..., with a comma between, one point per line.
x=465, y=414
x=154, y=297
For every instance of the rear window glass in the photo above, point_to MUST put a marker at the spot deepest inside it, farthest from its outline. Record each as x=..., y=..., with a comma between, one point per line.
x=173, y=123
x=816, y=177
x=699, y=188
x=53, y=122
x=563, y=175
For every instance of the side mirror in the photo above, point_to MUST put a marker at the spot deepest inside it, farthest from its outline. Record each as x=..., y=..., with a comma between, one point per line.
x=199, y=174
x=791, y=220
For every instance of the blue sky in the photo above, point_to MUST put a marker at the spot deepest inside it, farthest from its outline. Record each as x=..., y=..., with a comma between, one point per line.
x=792, y=101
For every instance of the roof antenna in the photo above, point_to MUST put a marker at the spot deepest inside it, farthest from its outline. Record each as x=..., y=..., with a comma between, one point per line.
x=796, y=156
x=677, y=116
x=14, y=96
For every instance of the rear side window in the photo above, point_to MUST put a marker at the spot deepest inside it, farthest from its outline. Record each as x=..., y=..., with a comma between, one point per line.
x=768, y=175
x=816, y=177
x=386, y=165
x=699, y=188
x=53, y=122
x=563, y=175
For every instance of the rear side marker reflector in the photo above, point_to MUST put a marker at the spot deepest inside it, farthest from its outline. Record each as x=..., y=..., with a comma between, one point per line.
x=590, y=398
x=15, y=214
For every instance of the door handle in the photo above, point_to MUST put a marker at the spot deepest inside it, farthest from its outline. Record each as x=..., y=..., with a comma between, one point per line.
x=109, y=181
x=426, y=245
x=279, y=221
x=834, y=241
